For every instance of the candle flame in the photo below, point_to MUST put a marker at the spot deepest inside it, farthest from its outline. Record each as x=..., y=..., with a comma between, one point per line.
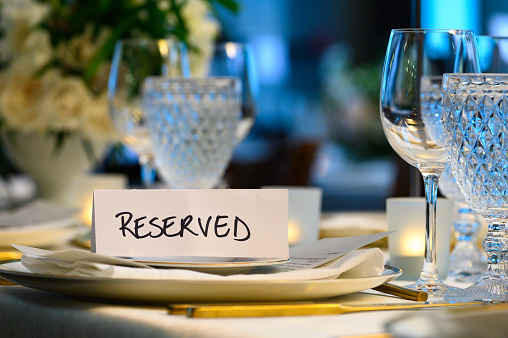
x=412, y=244
x=294, y=233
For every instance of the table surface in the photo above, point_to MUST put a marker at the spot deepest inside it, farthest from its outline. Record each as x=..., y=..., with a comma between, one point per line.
x=28, y=312
x=33, y=313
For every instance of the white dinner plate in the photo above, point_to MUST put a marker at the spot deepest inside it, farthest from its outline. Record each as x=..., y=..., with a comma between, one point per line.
x=165, y=291
x=41, y=235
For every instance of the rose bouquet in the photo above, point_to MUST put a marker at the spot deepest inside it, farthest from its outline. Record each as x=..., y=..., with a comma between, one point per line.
x=55, y=57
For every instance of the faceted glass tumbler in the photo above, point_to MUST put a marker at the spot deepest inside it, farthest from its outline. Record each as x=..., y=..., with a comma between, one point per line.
x=192, y=125
x=475, y=121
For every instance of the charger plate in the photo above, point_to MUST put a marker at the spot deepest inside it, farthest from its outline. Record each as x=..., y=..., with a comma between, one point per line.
x=165, y=291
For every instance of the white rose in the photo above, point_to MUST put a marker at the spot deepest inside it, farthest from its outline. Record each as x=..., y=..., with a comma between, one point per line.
x=65, y=103
x=19, y=102
x=97, y=124
x=38, y=48
x=18, y=19
x=33, y=11
x=79, y=50
x=203, y=29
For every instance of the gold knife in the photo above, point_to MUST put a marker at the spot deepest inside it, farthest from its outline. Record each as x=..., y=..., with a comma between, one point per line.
x=388, y=288
x=268, y=310
x=402, y=292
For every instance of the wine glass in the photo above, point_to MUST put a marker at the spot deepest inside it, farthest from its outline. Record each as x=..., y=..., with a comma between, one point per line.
x=475, y=120
x=410, y=106
x=193, y=125
x=133, y=61
x=234, y=59
x=467, y=261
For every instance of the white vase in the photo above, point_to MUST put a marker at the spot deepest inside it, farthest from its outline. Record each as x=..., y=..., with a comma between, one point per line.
x=53, y=171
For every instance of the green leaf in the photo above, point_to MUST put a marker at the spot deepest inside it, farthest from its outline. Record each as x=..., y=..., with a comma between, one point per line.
x=107, y=48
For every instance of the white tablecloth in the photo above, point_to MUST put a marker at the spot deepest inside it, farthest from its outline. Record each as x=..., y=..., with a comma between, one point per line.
x=30, y=313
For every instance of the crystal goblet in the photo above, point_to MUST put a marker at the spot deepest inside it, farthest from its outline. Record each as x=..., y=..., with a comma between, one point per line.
x=411, y=115
x=193, y=125
x=475, y=120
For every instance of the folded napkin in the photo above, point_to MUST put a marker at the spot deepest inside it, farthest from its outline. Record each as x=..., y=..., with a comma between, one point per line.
x=78, y=263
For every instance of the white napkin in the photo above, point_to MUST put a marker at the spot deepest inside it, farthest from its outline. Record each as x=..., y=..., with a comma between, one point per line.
x=78, y=263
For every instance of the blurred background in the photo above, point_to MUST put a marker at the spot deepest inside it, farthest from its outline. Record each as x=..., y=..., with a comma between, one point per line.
x=319, y=68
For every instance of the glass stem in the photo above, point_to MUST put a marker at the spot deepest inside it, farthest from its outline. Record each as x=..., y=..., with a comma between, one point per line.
x=147, y=171
x=429, y=271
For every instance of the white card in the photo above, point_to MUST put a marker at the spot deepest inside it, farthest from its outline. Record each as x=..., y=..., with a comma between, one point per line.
x=211, y=223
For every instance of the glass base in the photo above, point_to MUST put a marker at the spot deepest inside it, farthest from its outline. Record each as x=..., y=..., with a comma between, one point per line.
x=484, y=290
x=464, y=277
x=435, y=288
x=467, y=263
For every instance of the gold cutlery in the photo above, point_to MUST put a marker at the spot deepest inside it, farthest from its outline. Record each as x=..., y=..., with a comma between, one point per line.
x=297, y=309
x=388, y=288
x=402, y=292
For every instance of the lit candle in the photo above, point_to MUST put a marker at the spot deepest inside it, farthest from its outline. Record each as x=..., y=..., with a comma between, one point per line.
x=412, y=242
x=294, y=233
x=304, y=213
x=407, y=244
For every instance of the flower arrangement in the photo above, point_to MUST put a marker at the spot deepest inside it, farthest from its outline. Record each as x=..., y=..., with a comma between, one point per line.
x=55, y=57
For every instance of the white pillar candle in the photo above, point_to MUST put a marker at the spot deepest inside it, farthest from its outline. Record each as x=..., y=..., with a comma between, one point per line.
x=407, y=244
x=304, y=213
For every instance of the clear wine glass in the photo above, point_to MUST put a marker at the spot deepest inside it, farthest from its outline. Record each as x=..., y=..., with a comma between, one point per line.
x=133, y=61
x=476, y=126
x=467, y=261
x=234, y=59
x=410, y=106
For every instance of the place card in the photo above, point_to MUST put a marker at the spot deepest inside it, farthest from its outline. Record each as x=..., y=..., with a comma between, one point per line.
x=185, y=222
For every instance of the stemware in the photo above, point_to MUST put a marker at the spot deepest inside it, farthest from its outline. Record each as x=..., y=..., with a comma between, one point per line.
x=234, y=59
x=475, y=120
x=467, y=261
x=193, y=125
x=410, y=108
x=133, y=61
